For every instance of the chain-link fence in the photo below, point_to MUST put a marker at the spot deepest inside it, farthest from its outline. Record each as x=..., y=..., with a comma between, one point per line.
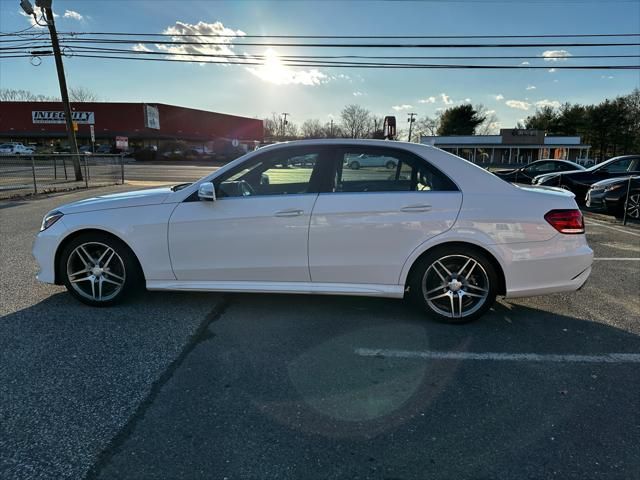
x=28, y=174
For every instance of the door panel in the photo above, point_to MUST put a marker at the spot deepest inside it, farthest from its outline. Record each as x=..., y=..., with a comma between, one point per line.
x=367, y=237
x=261, y=238
x=365, y=229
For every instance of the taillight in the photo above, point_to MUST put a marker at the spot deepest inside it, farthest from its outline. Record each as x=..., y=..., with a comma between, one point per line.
x=566, y=221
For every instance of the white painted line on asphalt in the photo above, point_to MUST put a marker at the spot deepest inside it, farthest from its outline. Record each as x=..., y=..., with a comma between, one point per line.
x=609, y=259
x=591, y=222
x=502, y=357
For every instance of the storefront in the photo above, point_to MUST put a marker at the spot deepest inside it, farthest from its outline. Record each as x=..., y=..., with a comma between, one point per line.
x=42, y=124
x=511, y=146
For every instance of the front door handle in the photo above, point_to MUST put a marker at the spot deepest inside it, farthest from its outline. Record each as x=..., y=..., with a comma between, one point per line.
x=416, y=208
x=291, y=212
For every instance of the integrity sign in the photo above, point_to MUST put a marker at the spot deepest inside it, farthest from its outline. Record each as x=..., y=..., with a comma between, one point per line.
x=39, y=116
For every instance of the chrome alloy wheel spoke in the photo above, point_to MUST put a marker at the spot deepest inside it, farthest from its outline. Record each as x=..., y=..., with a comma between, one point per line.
x=455, y=286
x=103, y=269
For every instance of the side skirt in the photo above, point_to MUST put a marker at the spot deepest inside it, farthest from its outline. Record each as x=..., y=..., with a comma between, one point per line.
x=369, y=290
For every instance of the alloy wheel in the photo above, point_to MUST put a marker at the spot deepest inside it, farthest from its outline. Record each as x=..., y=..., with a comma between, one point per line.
x=633, y=206
x=96, y=271
x=455, y=286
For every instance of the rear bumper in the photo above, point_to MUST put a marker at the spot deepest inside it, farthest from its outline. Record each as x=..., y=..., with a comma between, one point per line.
x=561, y=264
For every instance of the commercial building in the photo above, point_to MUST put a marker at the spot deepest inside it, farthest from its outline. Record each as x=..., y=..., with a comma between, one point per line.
x=511, y=146
x=134, y=125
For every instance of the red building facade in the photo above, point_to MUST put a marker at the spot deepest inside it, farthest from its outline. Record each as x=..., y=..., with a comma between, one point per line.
x=143, y=124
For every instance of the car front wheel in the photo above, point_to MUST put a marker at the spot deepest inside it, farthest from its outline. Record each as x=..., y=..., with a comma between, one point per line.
x=99, y=270
x=454, y=285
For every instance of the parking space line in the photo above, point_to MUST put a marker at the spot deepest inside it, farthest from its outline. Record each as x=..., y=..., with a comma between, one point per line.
x=591, y=222
x=628, y=259
x=502, y=357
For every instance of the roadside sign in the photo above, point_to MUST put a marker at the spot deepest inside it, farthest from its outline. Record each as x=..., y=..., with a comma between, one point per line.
x=122, y=143
x=93, y=133
x=235, y=142
x=75, y=126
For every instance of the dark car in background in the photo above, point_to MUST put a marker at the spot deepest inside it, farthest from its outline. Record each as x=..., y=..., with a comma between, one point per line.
x=580, y=181
x=611, y=195
x=527, y=173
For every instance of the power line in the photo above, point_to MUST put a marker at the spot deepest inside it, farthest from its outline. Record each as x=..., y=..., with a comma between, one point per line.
x=352, y=45
x=366, y=65
x=137, y=34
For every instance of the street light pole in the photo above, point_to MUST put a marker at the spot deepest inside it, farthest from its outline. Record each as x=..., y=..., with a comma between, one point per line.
x=284, y=124
x=45, y=5
x=411, y=119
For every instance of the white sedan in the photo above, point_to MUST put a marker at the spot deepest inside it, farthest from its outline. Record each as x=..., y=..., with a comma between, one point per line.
x=437, y=228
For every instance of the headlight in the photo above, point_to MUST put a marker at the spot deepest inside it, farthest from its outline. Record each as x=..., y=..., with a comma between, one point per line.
x=611, y=188
x=49, y=219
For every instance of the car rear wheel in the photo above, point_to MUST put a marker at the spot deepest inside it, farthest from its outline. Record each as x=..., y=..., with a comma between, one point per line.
x=454, y=285
x=99, y=270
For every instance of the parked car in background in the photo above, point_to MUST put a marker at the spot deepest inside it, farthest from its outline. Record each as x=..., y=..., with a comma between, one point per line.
x=354, y=162
x=103, y=149
x=527, y=173
x=13, y=148
x=580, y=181
x=326, y=229
x=611, y=196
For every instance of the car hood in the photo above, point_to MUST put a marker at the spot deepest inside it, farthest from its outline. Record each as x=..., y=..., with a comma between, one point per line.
x=609, y=181
x=546, y=176
x=151, y=196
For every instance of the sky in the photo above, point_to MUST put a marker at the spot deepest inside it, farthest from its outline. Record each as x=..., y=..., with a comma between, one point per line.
x=321, y=93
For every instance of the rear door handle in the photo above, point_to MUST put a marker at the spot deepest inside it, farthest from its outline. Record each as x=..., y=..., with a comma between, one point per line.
x=290, y=212
x=416, y=208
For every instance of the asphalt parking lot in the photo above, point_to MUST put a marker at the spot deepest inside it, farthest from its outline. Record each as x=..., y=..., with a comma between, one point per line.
x=255, y=386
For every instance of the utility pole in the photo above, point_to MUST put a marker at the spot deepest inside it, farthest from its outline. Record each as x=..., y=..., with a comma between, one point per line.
x=411, y=119
x=284, y=123
x=45, y=6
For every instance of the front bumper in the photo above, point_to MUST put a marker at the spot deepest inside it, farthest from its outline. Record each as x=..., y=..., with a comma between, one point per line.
x=595, y=199
x=44, y=250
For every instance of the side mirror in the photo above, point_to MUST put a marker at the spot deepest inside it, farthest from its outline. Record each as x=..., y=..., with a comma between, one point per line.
x=207, y=192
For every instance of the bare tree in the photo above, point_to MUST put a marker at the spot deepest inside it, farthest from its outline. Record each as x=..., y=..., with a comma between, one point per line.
x=13, y=95
x=426, y=126
x=356, y=121
x=491, y=124
x=82, y=94
x=272, y=126
x=312, y=128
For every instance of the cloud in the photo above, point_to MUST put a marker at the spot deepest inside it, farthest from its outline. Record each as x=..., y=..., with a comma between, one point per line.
x=399, y=108
x=427, y=100
x=446, y=99
x=490, y=112
x=32, y=20
x=548, y=103
x=499, y=97
x=72, y=14
x=467, y=100
x=549, y=55
x=552, y=70
x=518, y=104
x=205, y=45
x=525, y=63
x=358, y=94
x=608, y=77
x=141, y=47
x=530, y=87
x=273, y=71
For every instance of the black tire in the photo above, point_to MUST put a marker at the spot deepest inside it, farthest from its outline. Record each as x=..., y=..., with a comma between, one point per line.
x=355, y=165
x=390, y=165
x=483, y=277
x=122, y=268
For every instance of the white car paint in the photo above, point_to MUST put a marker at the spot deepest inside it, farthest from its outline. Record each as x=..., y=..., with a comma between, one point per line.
x=331, y=243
